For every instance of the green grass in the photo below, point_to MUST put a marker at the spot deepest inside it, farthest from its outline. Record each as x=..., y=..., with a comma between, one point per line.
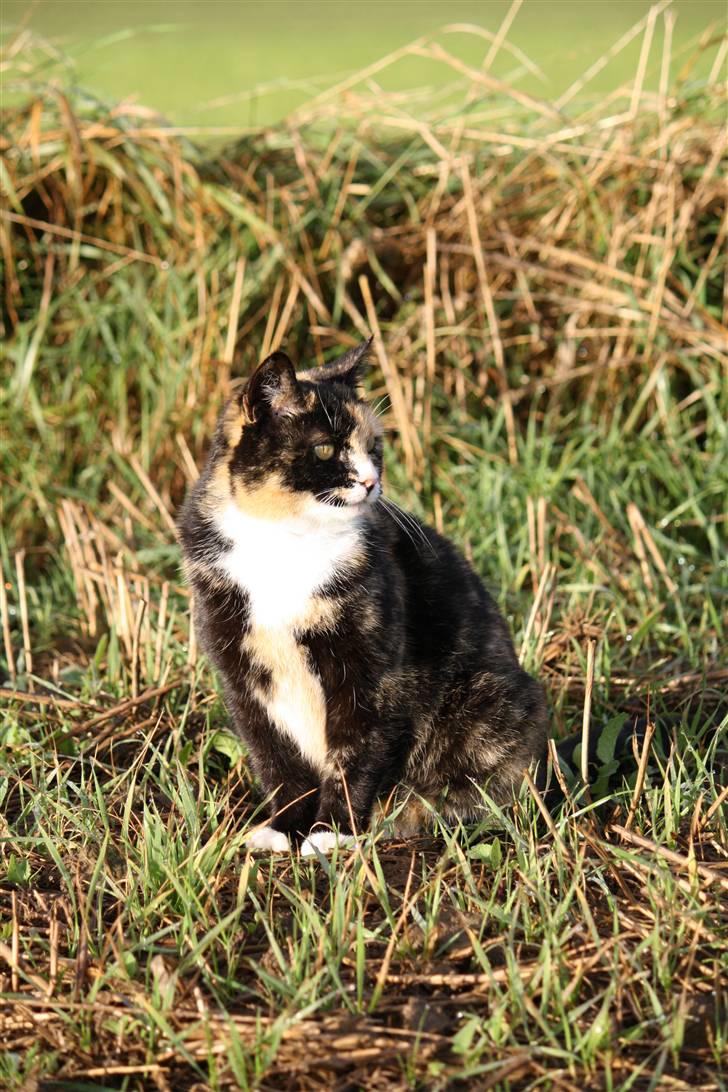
x=141, y=946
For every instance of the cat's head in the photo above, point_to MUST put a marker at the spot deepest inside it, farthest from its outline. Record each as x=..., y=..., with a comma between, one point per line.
x=306, y=444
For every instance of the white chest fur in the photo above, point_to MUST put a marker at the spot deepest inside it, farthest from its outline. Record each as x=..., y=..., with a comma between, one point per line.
x=282, y=565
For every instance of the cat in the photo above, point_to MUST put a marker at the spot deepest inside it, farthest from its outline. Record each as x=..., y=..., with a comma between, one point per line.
x=358, y=650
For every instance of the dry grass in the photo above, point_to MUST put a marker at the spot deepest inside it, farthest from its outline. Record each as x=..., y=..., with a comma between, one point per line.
x=511, y=248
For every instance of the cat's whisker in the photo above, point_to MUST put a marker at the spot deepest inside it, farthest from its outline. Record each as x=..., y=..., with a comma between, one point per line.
x=400, y=523
x=412, y=522
x=397, y=522
x=328, y=496
x=419, y=532
x=323, y=407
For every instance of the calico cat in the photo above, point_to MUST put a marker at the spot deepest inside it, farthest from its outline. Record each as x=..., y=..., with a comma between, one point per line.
x=358, y=650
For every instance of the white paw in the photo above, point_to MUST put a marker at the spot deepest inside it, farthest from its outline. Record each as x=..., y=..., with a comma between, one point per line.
x=325, y=841
x=267, y=840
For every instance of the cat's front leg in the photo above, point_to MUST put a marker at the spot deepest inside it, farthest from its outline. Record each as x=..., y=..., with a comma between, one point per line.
x=353, y=779
x=346, y=799
x=291, y=786
x=287, y=779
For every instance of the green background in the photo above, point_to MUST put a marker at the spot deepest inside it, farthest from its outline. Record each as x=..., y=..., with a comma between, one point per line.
x=199, y=63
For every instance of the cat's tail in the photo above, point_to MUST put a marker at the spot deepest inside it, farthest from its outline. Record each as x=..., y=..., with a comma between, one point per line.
x=614, y=750
x=614, y=753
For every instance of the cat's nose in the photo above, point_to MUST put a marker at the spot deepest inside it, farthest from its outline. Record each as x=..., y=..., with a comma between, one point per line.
x=369, y=482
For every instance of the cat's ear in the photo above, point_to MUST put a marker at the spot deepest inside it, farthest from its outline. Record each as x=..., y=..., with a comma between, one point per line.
x=272, y=389
x=345, y=369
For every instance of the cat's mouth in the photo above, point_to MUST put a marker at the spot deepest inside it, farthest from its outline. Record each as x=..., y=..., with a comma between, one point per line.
x=357, y=496
x=365, y=494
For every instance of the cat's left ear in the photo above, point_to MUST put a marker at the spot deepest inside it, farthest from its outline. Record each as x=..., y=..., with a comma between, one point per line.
x=345, y=369
x=272, y=389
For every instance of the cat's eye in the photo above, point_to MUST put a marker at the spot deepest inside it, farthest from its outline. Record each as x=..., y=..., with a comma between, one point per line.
x=371, y=444
x=323, y=451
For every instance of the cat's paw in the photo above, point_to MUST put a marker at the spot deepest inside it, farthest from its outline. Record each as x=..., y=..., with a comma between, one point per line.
x=325, y=841
x=267, y=840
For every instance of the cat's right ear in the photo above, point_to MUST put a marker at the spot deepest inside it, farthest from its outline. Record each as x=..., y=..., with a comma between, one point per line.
x=345, y=369
x=272, y=389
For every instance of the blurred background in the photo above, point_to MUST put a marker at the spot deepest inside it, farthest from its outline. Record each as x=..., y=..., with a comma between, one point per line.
x=220, y=63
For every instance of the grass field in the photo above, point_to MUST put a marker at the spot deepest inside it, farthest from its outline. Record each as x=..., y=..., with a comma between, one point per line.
x=547, y=286
x=242, y=63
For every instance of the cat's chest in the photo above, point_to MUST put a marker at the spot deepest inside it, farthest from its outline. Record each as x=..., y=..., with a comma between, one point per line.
x=284, y=565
